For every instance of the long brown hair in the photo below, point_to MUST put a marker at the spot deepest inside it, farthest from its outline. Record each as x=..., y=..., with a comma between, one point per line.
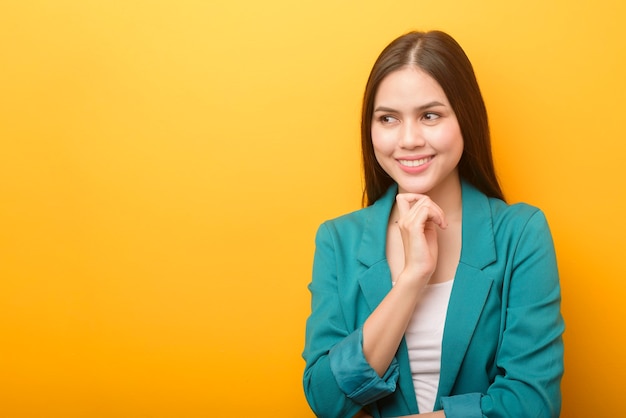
x=441, y=57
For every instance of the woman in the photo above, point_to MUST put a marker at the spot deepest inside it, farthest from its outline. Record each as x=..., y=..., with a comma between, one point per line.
x=438, y=297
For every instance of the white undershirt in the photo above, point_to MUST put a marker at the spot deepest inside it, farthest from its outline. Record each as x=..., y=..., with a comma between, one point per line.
x=423, y=337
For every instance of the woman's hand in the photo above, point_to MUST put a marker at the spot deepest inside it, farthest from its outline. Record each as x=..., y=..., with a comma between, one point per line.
x=418, y=222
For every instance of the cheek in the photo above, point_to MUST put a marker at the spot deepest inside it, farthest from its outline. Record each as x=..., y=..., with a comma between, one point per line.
x=450, y=138
x=381, y=141
x=457, y=141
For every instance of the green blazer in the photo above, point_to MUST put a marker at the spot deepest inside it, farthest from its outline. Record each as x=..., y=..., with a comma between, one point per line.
x=502, y=349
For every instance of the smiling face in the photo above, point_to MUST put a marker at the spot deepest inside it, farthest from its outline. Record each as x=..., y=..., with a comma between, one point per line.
x=415, y=133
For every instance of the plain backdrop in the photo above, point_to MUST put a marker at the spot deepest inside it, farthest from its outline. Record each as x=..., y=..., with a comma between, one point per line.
x=164, y=166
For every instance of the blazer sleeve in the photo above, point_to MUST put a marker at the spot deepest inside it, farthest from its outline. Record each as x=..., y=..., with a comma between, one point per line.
x=338, y=381
x=530, y=356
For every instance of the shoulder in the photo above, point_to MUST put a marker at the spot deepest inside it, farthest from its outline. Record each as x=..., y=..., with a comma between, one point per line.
x=508, y=222
x=371, y=219
x=521, y=230
x=516, y=217
x=345, y=227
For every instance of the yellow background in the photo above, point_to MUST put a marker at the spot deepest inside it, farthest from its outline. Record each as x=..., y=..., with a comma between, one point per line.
x=164, y=166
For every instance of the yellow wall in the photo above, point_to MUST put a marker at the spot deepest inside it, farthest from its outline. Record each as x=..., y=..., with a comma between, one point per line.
x=164, y=166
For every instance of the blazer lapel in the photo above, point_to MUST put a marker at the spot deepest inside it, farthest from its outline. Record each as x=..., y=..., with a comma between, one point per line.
x=375, y=280
x=471, y=285
x=469, y=293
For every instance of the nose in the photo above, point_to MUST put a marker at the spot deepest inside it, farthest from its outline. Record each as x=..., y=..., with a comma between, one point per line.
x=412, y=136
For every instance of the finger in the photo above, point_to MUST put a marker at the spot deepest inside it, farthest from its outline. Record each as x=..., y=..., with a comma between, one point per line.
x=404, y=204
x=406, y=200
x=425, y=210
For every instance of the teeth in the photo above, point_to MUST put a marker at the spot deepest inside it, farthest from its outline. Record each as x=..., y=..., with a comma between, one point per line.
x=414, y=163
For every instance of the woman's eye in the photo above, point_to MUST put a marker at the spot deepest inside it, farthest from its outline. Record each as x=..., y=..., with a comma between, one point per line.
x=431, y=116
x=388, y=119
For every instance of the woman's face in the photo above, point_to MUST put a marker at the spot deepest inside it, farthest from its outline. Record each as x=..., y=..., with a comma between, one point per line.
x=415, y=133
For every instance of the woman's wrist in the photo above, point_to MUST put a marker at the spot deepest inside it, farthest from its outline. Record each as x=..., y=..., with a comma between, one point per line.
x=414, y=281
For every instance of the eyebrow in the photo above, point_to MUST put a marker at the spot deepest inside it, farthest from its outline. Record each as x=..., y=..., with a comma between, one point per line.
x=434, y=103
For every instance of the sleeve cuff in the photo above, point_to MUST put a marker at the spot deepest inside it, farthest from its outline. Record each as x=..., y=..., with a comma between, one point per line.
x=355, y=377
x=462, y=406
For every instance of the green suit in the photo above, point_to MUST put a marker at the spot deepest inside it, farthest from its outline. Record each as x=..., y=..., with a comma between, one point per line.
x=502, y=349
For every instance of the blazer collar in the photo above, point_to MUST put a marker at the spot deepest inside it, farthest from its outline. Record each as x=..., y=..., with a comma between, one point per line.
x=478, y=246
x=477, y=250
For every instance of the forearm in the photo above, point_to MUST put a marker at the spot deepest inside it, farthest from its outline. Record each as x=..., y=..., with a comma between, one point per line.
x=384, y=329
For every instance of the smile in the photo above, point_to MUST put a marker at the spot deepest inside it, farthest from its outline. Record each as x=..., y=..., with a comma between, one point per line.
x=415, y=163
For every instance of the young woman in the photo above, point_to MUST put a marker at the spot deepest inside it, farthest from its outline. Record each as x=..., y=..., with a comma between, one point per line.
x=437, y=296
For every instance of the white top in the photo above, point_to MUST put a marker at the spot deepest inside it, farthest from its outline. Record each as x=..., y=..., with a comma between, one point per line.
x=423, y=337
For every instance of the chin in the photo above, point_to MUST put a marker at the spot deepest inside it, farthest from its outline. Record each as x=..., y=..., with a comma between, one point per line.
x=412, y=188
